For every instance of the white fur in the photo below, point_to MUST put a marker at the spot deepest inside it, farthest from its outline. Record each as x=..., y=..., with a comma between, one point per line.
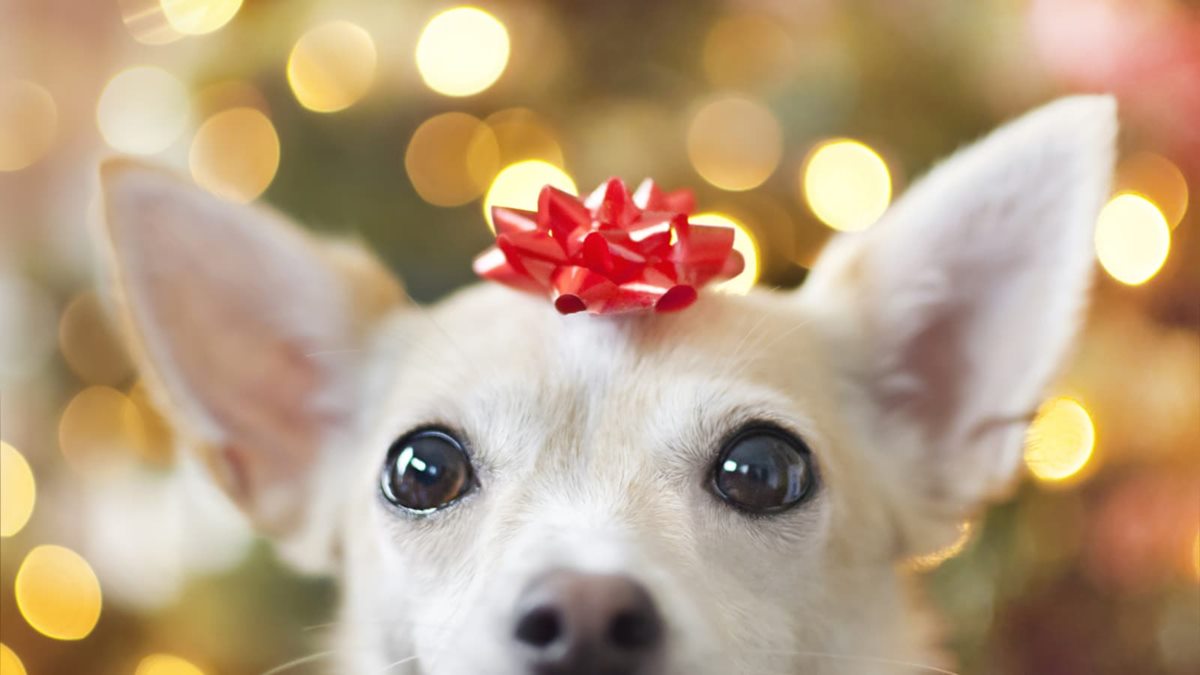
x=593, y=437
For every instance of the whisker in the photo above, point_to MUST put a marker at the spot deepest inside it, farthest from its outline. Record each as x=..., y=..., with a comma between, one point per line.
x=301, y=661
x=396, y=663
x=871, y=659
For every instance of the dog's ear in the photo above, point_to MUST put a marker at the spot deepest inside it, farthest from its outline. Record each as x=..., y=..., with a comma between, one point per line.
x=953, y=314
x=249, y=330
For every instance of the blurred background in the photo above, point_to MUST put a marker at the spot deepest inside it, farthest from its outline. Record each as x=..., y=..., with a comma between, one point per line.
x=398, y=122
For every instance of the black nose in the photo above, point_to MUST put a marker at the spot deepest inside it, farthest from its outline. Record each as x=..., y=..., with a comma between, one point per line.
x=571, y=623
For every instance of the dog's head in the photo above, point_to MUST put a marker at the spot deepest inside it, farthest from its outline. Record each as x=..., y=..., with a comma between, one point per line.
x=729, y=489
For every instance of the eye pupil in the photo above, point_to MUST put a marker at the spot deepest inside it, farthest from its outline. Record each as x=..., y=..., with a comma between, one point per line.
x=426, y=471
x=764, y=471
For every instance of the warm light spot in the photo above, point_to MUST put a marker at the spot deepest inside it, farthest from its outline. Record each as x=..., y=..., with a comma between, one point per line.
x=142, y=110
x=28, y=122
x=89, y=345
x=462, y=51
x=1060, y=440
x=846, y=184
x=58, y=593
x=9, y=663
x=735, y=143
x=165, y=664
x=522, y=134
x=1132, y=239
x=197, y=17
x=743, y=242
x=332, y=66
x=235, y=154
x=1159, y=180
x=518, y=186
x=98, y=424
x=929, y=561
x=18, y=491
x=451, y=158
x=748, y=49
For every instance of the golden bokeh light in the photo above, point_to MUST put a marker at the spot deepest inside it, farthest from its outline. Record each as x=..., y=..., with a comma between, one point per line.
x=735, y=143
x=451, y=158
x=748, y=49
x=9, y=663
x=89, y=345
x=846, y=184
x=18, y=491
x=235, y=154
x=166, y=664
x=332, y=66
x=743, y=242
x=462, y=51
x=1132, y=239
x=99, y=423
x=929, y=561
x=518, y=186
x=522, y=134
x=1159, y=180
x=28, y=123
x=58, y=593
x=142, y=110
x=197, y=17
x=1060, y=441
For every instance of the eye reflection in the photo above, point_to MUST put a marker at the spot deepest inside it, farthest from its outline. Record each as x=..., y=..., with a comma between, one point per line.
x=764, y=471
x=426, y=471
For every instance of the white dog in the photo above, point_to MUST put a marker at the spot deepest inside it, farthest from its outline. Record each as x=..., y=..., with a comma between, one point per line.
x=503, y=490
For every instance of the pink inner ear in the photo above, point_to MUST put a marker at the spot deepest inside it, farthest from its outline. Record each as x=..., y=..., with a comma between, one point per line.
x=221, y=337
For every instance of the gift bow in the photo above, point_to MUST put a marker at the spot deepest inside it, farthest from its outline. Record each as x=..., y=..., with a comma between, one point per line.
x=611, y=253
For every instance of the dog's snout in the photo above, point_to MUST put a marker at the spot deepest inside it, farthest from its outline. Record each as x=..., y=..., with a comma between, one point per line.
x=583, y=624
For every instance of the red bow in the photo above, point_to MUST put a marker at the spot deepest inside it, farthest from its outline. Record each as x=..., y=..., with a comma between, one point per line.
x=611, y=253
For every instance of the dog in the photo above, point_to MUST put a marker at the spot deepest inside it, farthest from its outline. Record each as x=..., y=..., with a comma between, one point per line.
x=733, y=488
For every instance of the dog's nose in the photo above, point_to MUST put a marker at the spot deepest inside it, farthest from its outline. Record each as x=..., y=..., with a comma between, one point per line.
x=572, y=623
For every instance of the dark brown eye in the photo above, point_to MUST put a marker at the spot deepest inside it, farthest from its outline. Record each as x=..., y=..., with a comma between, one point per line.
x=426, y=471
x=764, y=470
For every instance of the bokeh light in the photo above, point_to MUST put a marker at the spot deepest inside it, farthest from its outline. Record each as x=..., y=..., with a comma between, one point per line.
x=197, y=17
x=332, y=66
x=735, y=143
x=743, y=242
x=1060, y=441
x=846, y=184
x=522, y=134
x=518, y=186
x=9, y=663
x=58, y=593
x=88, y=344
x=156, y=438
x=142, y=110
x=747, y=50
x=462, y=51
x=99, y=423
x=1159, y=180
x=1132, y=239
x=166, y=664
x=18, y=491
x=929, y=561
x=28, y=123
x=235, y=154
x=451, y=158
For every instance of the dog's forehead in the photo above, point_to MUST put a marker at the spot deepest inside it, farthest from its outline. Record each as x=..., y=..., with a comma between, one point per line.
x=503, y=358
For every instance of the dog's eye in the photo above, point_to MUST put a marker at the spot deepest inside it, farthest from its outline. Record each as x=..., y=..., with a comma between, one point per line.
x=764, y=471
x=426, y=471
